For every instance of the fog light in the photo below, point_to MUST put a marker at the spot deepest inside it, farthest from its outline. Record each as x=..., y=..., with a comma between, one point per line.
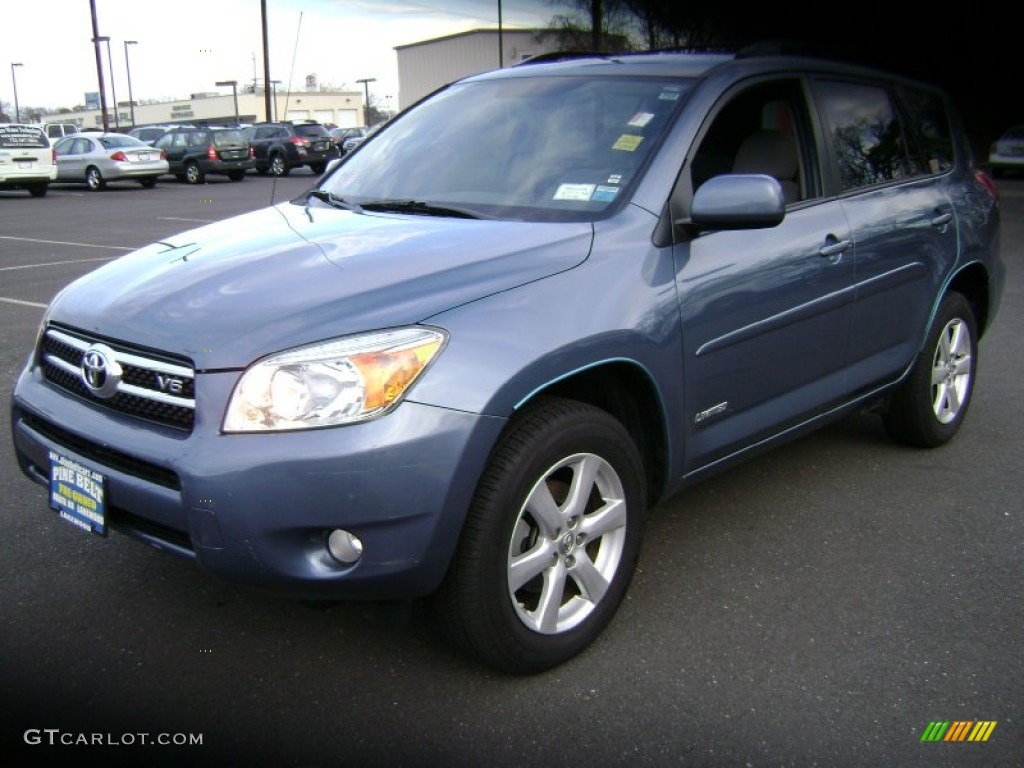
x=344, y=546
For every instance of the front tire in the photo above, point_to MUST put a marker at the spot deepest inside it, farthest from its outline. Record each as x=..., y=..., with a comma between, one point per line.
x=38, y=190
x=929, y=407
x=551, y=539
x=194, y=174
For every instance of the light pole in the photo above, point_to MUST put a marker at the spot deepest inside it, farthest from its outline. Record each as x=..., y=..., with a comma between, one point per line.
x=273, y=87
x=366, y=103
x=14, y=83
x=234, y=92
x=106, y=120
x=128, y=68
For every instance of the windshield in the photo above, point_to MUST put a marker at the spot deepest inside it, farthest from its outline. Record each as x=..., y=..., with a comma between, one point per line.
x=533, y=148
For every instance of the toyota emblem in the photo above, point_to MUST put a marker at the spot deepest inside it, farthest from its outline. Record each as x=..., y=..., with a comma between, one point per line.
x=101, y=373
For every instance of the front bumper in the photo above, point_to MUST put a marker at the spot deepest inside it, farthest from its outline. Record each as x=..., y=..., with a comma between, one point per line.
x=257, y=508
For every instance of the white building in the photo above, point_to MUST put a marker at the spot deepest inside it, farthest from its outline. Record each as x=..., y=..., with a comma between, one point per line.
x=426, y=66
x=341, y=108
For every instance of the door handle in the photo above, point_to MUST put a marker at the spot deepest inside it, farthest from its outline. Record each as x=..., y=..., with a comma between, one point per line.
x=835, y=247
x=942, y=219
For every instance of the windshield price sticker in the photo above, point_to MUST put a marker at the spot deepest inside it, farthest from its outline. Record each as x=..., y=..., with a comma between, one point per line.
x=77, y=493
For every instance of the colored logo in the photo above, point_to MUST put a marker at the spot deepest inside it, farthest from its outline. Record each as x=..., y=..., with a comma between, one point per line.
x=958, y=730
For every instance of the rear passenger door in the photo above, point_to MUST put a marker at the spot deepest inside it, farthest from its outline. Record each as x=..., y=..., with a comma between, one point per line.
x=765, y=312
x=894, y=195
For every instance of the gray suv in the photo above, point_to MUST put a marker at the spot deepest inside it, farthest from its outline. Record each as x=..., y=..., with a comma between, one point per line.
x=468, y=374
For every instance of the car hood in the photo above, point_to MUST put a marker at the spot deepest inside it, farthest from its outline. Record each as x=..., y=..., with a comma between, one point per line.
x=228, y=293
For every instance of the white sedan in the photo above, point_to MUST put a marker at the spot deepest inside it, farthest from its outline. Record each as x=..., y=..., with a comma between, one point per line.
x=96, y=158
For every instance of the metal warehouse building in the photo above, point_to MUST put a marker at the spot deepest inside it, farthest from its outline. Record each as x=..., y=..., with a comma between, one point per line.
x=425, y=66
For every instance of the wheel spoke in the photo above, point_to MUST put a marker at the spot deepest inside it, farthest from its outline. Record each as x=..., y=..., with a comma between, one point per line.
x=608, y=518
x=527, y=566
x=591, y=581
x=938, y=374
x=962, y=366
x=546, y=615
x=584, y=472
x=541, y=505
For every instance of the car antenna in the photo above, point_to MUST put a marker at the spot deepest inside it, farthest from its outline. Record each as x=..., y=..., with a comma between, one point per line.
x=287, y=95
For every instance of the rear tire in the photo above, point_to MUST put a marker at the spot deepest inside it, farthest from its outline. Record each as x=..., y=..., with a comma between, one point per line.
x=94, y=179
x=929, y=407
x=148, y=183
x=551, y=540
x=38, y=190
x=278, y=167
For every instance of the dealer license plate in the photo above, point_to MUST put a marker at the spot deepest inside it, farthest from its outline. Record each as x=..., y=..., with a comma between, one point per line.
x=78, y=493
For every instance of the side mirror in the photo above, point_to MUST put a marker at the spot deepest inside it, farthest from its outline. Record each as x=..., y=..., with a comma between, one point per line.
x=331, y=165
x=738, y=201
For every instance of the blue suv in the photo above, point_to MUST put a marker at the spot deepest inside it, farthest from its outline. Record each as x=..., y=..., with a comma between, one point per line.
x=467, y=373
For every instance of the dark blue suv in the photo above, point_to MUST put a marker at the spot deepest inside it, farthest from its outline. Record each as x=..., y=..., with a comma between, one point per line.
x=467, y=373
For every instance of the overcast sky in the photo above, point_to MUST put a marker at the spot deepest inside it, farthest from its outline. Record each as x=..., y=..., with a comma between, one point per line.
x=185, y=46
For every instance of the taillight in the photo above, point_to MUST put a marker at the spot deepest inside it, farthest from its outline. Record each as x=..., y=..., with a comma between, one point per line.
x=119, y=157
x=299, y=141
x=986, y=181
x=211, y=152
x=163, y=154
x=252, y=153
x=53, y=156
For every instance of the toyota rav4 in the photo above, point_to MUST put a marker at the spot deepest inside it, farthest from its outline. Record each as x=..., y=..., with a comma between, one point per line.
x=468, y=373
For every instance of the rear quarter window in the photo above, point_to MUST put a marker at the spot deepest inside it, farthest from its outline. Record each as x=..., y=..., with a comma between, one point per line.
x=866, y=134
x=928, y=118
x=14, y=136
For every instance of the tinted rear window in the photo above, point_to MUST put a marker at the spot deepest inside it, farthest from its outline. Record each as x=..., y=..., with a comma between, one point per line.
x=22, y=136
x=228, y=138
x=310, y=130
x=929, y=123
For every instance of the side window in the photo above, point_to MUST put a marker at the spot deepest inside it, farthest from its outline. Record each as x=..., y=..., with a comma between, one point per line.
x=930, y=123
x=763, y=129
x=164, y=141
x=866, y=133
x=197, y=139
x=180, y=140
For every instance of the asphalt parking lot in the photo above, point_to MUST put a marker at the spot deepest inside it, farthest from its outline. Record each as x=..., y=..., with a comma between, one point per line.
x=821, y=605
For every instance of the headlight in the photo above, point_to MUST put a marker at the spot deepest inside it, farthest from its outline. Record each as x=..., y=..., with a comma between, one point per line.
x=335, y=382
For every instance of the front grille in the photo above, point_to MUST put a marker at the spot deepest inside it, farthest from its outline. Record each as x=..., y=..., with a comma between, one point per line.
x=153, y=387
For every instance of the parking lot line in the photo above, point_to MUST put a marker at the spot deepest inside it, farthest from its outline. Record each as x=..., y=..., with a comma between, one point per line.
x=62, y=242
x=56, y=263
x=22, y=303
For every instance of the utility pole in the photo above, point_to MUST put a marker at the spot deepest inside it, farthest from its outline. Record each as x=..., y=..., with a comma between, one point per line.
x=99, y=65
x=366, y=103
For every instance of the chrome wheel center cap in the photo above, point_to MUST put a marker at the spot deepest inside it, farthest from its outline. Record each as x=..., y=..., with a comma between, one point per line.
x=567, y=543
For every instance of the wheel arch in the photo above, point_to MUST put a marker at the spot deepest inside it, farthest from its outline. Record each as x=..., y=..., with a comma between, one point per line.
x=972, y=282
x=624, y=389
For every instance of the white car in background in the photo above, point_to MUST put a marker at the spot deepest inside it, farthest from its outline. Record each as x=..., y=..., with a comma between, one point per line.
x=1007, y=153
x=26, y=159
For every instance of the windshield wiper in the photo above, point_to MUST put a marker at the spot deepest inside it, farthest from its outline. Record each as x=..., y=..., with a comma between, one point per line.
x=420, y=207
x=333, y=200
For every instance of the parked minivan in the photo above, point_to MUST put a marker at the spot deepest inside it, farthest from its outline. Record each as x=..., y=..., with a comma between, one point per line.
x=26, y=159
x=468, y=373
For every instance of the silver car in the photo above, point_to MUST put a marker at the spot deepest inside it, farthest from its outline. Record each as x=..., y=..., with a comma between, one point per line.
x=1007, y=153
x=96, y=159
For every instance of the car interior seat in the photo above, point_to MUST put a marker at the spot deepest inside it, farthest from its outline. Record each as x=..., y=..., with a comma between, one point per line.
x=772, y=153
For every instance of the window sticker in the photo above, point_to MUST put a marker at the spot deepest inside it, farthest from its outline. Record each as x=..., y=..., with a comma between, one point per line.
x=640, y=119
x=628, y=142
x=578, y=192
x=615, y=178
x=669, y=94
x=605, y=194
